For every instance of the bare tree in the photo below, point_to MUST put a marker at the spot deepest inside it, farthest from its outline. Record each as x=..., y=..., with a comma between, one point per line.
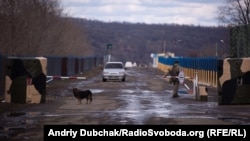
x=237, y=12
x=39, y=28
x=237, y=15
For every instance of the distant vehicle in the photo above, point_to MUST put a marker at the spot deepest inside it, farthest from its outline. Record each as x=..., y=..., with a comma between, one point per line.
x=114, y=71
x=128, y=65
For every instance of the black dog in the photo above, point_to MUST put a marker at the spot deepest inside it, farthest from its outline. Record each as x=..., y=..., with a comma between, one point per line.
x=80, y=95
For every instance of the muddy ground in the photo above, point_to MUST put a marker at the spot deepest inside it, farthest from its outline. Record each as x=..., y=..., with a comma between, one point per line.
x=151, y=103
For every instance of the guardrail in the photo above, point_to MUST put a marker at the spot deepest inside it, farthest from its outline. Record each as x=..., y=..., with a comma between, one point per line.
x=205, y=68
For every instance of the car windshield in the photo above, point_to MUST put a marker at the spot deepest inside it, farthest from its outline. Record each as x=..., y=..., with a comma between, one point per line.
x=114, y=65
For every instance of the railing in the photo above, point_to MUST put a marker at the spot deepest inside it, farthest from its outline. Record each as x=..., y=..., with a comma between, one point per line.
x=205, y=68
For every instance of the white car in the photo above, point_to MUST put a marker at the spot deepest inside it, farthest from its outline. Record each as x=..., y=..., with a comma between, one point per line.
x=114, y=71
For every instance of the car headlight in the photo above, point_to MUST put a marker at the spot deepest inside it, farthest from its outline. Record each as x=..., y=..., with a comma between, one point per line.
x=105, y=73
x=122, y=73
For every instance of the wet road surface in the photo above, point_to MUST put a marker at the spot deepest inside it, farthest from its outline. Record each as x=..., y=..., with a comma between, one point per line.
x=144, y=98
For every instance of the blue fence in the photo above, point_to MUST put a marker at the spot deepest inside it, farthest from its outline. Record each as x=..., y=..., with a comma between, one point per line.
x=205, y=68
x=192, y=63
x=68, y=66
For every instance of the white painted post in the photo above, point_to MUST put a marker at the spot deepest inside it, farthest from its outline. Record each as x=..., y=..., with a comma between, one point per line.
x=195, y=83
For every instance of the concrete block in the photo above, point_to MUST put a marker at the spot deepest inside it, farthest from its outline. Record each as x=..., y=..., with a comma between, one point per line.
x=202, y=93
x=25, y=80
x=233, y=81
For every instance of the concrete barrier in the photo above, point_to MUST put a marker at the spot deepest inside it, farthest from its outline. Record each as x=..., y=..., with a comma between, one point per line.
x=234, y=81
x=202, y=93
x=25, y=80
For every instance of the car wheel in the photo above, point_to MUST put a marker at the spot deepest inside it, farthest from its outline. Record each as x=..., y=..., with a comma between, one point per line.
x=104, y=80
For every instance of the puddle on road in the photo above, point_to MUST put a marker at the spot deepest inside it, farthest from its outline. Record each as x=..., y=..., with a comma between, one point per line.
x=129, y=91
x=95, y=91
x=141, y=105
x=14, y=122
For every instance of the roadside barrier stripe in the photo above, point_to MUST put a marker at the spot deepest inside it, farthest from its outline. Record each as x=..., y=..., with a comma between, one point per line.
x=65, y=77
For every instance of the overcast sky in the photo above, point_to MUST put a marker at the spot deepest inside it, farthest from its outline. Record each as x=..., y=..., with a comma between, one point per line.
x=195, y=12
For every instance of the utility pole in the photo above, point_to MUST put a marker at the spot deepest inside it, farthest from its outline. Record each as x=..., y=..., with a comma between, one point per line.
x=216, y=49
x=109, y=50
x=164, y=47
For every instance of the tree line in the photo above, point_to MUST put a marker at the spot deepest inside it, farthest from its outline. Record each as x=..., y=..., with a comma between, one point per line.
x=38, y=28
x=137, y=41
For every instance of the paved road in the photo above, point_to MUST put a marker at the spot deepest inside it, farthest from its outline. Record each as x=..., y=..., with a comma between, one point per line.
x=144, y=98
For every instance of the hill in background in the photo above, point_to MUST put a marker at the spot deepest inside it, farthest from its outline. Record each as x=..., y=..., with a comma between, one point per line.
x=135, y=42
